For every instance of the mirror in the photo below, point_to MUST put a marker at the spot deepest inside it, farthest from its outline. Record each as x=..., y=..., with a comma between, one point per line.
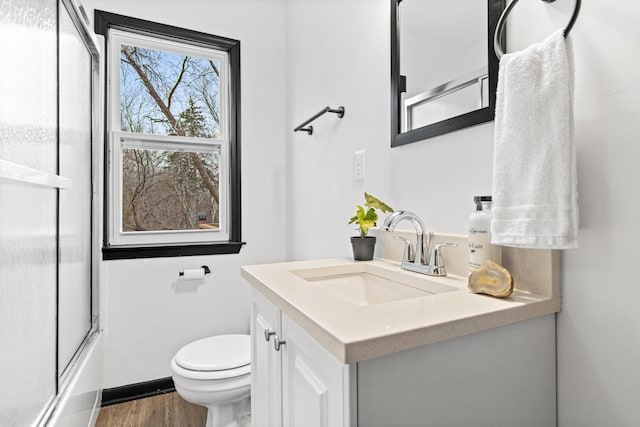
x=444, y=71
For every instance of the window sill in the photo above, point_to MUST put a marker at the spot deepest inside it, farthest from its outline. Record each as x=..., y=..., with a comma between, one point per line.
x=122, y=252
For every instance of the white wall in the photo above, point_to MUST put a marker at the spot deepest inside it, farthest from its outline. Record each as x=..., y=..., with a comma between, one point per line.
x=147, y=315
x=599, y=329
x=337, y=53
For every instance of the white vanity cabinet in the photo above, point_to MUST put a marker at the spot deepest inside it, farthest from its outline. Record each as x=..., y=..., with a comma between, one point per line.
x=445, y=359
x=295, y=381
x=500, y=377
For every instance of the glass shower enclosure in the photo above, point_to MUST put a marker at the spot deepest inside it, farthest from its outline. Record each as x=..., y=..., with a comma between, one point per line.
x=48, y=280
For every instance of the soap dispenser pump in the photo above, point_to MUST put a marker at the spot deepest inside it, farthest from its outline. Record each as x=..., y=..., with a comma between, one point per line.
x=480, y=247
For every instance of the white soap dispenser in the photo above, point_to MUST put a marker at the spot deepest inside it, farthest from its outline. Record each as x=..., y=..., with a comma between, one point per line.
x=480, y=247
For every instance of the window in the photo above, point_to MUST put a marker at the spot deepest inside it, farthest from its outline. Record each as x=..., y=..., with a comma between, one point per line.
x=173, y=178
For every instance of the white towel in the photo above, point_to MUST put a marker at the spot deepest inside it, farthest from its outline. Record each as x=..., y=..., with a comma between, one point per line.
x=534, y=162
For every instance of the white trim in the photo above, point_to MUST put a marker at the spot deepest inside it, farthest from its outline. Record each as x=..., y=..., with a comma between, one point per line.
x=122, y=140
x=119, y=140
x=144, y=140
x=118, y=38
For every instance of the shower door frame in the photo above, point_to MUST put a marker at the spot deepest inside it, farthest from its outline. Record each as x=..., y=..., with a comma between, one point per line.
x=68, y=373
x=90, y=42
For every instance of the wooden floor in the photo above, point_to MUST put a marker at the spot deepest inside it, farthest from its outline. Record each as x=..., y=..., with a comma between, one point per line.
x=164, y=410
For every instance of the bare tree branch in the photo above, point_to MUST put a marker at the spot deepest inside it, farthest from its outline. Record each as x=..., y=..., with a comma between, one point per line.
x=147, y=83
x=185, y=61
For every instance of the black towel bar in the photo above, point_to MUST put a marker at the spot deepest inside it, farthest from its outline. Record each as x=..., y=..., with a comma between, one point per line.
x=339, y=111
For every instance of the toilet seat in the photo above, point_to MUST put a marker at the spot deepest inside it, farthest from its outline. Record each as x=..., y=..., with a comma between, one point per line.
x=217, y=357
x=215, y=372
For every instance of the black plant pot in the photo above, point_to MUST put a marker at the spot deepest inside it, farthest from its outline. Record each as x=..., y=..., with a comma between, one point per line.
x=363, y=248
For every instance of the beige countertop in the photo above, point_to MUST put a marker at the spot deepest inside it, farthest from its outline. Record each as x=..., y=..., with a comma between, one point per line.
x=357, y=332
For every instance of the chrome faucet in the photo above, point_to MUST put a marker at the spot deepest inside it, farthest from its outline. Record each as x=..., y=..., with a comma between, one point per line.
x=419, y=263
x=422, y=242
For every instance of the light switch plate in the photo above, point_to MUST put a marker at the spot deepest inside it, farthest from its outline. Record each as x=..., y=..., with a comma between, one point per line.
x=358, y=165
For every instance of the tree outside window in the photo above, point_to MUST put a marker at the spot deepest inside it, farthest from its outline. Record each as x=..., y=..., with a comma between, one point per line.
x=163, y=93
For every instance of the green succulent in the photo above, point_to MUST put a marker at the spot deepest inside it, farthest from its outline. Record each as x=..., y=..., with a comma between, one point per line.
x=367, y=218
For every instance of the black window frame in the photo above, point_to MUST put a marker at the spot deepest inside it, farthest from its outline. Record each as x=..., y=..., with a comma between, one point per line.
x=103, y=22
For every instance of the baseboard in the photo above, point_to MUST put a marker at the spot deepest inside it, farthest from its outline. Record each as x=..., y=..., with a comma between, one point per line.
x=125, y=393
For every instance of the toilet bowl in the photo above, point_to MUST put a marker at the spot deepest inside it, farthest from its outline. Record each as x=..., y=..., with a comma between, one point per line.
x=215, y=372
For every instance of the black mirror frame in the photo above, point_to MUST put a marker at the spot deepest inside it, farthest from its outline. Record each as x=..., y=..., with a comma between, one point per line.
x=486, y=114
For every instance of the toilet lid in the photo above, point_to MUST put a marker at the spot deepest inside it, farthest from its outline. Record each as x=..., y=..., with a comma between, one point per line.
x=216, y=353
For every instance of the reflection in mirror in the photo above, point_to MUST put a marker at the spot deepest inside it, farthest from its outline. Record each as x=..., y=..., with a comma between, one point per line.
x=446, y=82
x=444, y=70
x=451, y=99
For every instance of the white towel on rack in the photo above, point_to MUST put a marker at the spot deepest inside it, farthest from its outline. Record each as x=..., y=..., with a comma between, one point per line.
x=534, y=161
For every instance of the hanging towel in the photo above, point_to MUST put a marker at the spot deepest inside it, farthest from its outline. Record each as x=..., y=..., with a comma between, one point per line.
x=534, y=161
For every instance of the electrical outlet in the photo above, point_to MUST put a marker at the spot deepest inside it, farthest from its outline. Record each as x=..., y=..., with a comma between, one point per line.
x=358, y=165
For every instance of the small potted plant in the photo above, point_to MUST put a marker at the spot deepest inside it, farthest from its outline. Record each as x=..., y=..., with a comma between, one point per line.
x=363, y=245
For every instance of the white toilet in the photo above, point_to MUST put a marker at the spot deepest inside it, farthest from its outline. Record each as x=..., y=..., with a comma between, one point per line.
x=216, y=372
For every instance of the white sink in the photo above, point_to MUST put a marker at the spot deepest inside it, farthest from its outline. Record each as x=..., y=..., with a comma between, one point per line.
x=365, y=284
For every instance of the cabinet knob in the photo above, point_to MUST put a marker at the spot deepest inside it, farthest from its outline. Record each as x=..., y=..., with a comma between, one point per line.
x=267, y=334
x=277, y=343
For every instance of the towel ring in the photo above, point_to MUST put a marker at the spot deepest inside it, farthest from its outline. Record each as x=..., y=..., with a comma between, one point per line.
x=497, y=36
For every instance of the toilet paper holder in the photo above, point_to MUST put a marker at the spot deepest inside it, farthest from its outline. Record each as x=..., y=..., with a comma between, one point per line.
x=206, y=269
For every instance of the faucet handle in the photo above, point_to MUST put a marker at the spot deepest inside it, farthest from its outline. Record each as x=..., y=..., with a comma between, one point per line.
x=407, y=253
x=435, y=259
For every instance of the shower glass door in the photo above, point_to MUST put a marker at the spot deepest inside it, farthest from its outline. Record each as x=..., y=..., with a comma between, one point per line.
x=28, y=220
x=48, y=308
x=74, y=279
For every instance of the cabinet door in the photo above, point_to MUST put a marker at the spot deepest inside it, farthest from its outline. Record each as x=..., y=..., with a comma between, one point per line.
x=266, y=367
x=315, y=389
